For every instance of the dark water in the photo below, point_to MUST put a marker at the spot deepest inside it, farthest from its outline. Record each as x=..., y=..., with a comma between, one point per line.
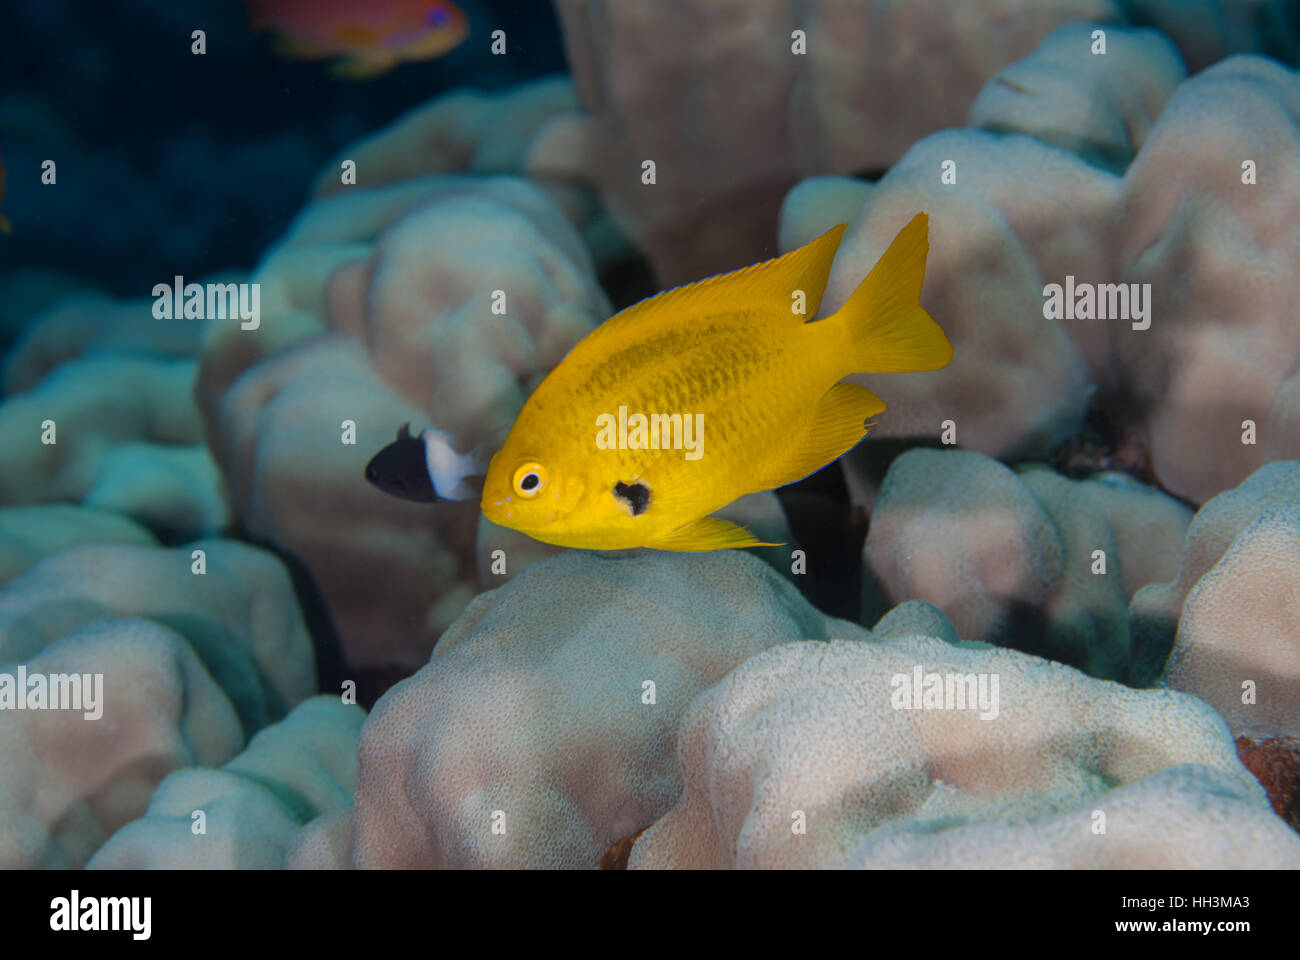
x=497, y=675
x=173, y=163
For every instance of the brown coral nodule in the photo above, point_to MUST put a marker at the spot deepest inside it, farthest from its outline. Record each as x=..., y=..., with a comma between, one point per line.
x=615, y=857
x=1104, y=444
x=1276, y=764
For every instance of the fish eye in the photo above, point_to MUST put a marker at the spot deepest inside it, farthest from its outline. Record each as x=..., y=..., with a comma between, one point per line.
x=438, y=17
x=530, y=479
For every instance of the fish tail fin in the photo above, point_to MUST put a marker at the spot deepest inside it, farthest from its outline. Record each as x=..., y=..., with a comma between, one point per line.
x=889, y=330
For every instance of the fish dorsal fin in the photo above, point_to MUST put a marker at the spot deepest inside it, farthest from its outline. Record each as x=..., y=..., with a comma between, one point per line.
x=766, y=287
x=708, y=533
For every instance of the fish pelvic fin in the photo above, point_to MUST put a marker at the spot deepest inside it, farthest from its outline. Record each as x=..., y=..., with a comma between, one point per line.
x=708, y=533
x=5, y=226
x=838, y=424
x=889, y=330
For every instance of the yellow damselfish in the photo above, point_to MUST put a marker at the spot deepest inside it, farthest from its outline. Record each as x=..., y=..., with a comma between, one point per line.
x=730, y=392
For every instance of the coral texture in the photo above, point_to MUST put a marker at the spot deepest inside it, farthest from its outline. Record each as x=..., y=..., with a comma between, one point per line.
x=183, y=667
x=1012, y=558
x=725, y=152
x=1156, y=610
x=68, y=782
x=378, y=311
x=804, y=757
x=252, y=808
x=533, y=737
x=28, y=534
x=1238, y=642
x=1195, y=355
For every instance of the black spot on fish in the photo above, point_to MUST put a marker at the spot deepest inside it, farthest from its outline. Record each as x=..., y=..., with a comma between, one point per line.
x=400, y=469
x=635, y=495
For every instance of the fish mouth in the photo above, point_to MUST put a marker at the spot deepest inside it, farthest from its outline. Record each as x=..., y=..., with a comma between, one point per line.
x=498, y=511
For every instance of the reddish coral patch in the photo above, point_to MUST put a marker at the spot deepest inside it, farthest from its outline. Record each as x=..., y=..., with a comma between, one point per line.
x=1276, y=764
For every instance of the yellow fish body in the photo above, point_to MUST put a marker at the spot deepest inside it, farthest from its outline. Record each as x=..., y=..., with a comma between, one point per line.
x=597, y=460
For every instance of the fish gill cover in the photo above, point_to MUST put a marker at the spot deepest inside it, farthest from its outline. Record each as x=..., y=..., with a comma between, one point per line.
x=697, y=434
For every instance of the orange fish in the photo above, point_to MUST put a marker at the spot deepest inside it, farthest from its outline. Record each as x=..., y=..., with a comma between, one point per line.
x=5, y=226
x=370, y=36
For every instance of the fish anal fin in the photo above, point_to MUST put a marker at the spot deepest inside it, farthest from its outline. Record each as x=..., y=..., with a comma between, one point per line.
x=838, y=424
x=363, y=66
x=708, y=533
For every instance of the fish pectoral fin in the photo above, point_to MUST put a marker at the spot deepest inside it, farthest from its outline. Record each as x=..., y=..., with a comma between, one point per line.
x=838, y=424
x=709, y=533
